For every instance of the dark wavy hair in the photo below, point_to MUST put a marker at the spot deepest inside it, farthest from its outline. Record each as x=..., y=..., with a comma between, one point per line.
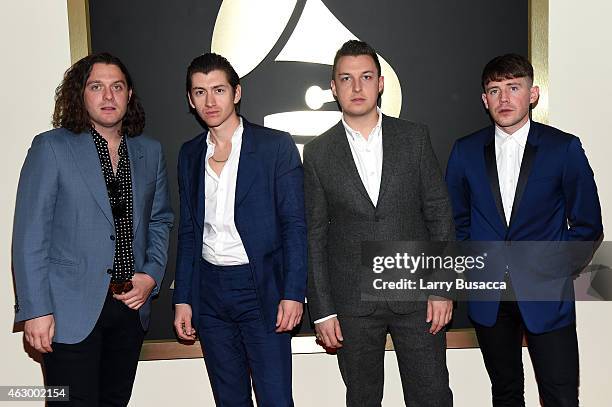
x=70, y=111
x=508, y=66
x=209, y=62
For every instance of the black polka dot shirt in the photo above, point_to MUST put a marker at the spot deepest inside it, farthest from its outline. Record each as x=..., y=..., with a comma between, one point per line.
x=119, y=189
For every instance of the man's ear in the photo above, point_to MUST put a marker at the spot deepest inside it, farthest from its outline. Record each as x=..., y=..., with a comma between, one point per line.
x=534, y=94
x=484, y=101
x=237, y=94
x=190, y=101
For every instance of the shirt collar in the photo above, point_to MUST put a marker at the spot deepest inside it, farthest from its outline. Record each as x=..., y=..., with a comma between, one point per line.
x=354, y=134
x=519, y=136
x=98, y=137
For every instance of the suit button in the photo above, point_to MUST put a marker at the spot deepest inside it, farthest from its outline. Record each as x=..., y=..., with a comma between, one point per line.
x=112, y=237
x=109, y=271
x=16, y=308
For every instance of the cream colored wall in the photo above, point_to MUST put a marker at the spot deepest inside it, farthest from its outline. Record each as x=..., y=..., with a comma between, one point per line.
x=580, y=87
x=35, y=53
x=580, y=63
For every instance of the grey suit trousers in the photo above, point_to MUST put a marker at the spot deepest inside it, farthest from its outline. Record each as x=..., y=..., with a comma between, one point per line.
x=421, y=357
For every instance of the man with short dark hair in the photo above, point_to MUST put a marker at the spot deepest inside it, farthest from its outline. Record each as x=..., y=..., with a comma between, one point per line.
x=90, y=237
x=241, y=262
x=523, y=181
x=373, y=177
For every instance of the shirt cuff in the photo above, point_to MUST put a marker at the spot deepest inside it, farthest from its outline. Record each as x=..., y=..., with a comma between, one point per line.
x=318, y=321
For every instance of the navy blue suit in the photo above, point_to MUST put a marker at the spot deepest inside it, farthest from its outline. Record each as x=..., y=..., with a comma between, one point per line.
x=269, y=216
x=555, y=189
x=555, y=200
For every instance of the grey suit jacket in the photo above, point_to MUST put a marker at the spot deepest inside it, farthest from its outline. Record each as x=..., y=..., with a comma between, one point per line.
x=63, y=233
x=413, y=205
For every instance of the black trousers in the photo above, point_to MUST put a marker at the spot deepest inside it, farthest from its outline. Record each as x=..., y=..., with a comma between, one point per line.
x=100, y=370
x=554, y=356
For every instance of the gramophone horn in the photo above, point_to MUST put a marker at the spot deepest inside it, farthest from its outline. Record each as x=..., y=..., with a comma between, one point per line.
x=246, y=30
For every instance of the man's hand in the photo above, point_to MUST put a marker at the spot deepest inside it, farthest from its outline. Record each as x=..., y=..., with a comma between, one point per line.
x=39, y=332
x=439, y=313
x=142, y=285
x=182, y=322
x=329, y=333
x=289, y=315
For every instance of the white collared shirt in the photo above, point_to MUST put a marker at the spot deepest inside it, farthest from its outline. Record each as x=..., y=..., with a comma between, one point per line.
x=509, y=149
x=368, y=156
x=222, y=244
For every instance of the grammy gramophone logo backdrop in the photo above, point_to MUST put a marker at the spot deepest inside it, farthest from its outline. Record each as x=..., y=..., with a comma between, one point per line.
x=432, y=54
x=313, y=40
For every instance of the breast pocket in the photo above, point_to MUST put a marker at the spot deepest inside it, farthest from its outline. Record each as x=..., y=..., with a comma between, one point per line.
x=544, y=189
x=148, y=191
x=546, y=179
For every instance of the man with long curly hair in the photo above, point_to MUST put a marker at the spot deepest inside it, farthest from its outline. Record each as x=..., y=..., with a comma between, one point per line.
x=90, y=236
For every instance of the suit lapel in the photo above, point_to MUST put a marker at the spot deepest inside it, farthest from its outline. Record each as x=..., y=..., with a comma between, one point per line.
x=247, y=164
x=391, y=155
x=491, y=165
x=138, y=175
x=526, y=165
x=195, y=177
x=88, y=162
x=342, y=151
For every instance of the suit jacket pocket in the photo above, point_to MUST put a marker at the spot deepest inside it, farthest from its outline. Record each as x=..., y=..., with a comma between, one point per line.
x=62, y=262
x=548, y=178
x=273, y=260
x=65, y=280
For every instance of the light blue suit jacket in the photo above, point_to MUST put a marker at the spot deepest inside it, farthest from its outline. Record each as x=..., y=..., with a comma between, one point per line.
x=63, y=233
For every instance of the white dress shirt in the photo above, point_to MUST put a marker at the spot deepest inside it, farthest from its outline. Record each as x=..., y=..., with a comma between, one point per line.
x=367, y=155
x=368, y=158
x=509, y=149
x=221, y=242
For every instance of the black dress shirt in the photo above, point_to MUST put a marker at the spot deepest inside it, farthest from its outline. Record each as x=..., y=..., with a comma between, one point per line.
x=119, y=187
